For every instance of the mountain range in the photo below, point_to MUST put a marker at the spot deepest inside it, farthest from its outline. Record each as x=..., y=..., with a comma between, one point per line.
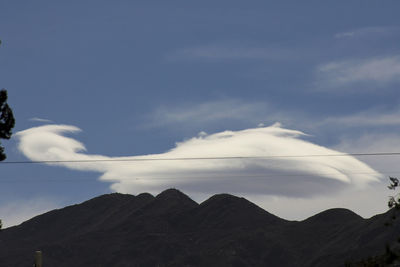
x=170, y=229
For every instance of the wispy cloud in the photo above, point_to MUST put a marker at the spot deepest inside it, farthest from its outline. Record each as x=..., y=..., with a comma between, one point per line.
x=40, y=120
x=366, y=31
x=368, y=118
x=367, y=72
x=231, y=52
x=200, y=114
x=290, y=176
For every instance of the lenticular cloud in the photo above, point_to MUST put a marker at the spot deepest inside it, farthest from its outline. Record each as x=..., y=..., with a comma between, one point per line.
x=266, y=160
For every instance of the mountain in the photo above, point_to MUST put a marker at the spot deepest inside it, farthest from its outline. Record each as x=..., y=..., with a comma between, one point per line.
x=172, y=230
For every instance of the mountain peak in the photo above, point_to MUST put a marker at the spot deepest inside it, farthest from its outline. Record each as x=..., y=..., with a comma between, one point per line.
x=225, y=210
x=335, y=215
x=173, y=194
x=171, y=200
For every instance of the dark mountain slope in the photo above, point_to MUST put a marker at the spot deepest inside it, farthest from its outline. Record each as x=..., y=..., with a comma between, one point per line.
x=173, y=230
x=227, y=211
x=338, y=235
x=61, y=228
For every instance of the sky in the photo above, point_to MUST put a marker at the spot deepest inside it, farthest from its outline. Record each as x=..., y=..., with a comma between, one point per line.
x=260, y=99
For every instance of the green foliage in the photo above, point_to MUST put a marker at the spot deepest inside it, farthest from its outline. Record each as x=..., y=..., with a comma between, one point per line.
x=7, y=121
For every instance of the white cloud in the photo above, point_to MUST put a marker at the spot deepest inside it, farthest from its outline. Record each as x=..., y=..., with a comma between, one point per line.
x=18, y=211
x=289, y=176
x=367, y=73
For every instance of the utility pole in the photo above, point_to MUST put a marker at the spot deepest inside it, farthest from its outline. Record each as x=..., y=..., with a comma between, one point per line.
x=38, y=259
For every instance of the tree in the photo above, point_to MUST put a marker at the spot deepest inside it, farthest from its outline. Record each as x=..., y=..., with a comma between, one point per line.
x=7, y=121
x=393, y=256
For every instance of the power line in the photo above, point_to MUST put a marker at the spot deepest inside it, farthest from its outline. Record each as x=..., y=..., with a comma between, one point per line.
x=266, y=175
x=204, y=158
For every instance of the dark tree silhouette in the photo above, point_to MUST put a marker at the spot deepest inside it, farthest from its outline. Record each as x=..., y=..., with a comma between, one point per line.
x=7, y=121
x=391, y=257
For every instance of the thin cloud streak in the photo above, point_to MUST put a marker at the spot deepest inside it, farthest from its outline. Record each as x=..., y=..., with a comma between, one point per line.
x=379, y=71
x=367, y=31
x=368, y=118
x=40, y=120
x=214, y=113
x=231, y=52
x=207, y=112
x=302, y=177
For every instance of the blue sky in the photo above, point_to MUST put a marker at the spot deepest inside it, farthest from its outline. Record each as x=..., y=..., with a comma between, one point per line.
x=136, y=77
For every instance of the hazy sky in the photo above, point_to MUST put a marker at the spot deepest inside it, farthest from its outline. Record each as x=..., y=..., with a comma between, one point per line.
x=129, y=80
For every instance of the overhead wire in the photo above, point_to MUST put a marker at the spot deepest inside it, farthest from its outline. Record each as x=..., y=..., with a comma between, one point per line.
x=203, y=158
x=264, y=175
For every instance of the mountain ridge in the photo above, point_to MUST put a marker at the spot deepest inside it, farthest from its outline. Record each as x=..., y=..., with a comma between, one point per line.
x=171, y=229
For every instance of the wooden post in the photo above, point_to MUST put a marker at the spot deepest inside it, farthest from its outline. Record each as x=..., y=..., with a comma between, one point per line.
x=38, y=259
